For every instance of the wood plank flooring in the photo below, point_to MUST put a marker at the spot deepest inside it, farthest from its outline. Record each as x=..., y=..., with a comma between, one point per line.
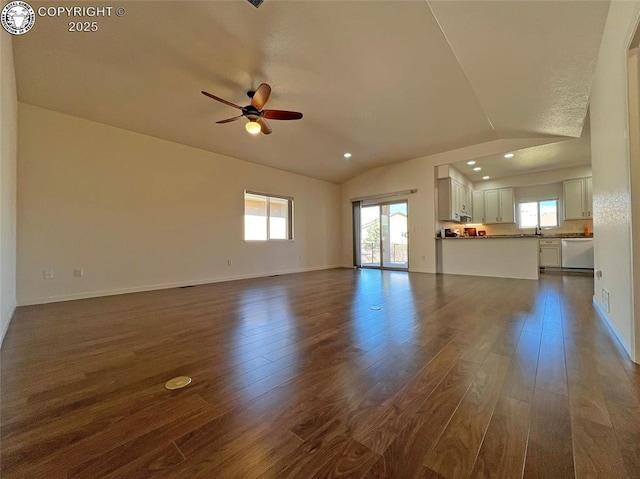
x=298, y=377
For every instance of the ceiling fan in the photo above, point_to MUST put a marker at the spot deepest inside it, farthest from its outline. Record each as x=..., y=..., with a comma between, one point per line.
x=254, y=113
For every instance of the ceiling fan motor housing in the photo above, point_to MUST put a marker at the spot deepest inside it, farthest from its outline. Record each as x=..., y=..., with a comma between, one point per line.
x=251, y=112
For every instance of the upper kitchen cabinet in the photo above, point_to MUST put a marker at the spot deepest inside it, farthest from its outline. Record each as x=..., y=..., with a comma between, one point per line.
x=499, y=206
x=478, y=207
x=578, y=198
x=454, y=201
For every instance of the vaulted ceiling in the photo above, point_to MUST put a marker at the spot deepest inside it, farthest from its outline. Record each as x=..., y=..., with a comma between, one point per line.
x=386, y=81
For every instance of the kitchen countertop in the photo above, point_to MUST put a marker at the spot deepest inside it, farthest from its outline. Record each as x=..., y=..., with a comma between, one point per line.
x=558, y=236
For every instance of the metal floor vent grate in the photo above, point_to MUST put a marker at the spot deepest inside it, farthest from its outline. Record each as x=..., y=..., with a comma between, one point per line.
x=255, y=3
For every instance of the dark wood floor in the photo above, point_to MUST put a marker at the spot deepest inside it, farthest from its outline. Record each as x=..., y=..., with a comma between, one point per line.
x=302, y=376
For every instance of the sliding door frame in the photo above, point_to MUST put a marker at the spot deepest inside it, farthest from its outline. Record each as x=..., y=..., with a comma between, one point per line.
x=357, y=236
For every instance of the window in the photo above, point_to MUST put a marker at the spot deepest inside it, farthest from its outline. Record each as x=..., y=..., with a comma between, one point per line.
x=267, y=217
x=542, y=213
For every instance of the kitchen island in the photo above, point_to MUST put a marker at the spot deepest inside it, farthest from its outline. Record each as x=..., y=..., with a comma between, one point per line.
x=495, y=256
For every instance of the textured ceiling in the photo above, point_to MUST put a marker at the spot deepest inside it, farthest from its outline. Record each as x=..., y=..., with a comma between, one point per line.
x=565, y=153
x=387, y=81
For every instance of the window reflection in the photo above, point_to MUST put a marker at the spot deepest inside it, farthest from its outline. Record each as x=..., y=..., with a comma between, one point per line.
x=395, y=322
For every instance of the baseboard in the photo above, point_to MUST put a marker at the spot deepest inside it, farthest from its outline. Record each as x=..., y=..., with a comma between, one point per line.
x=612, y=327
x=411, y=270
x=5, y=328
x=155, y=287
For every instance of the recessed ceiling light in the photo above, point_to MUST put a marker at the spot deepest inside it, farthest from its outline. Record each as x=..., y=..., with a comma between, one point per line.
x=471, y=162
x=486, y=177
x=477, y=168
x=509, y=155
x=347, y=155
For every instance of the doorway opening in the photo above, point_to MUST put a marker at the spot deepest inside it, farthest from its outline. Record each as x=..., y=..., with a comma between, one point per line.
x=381, y=238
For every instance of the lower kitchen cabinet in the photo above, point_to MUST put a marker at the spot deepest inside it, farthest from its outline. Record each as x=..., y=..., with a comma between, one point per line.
x=550, y=253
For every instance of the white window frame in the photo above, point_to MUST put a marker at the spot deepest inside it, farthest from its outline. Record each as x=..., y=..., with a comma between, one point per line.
x=538, y=206
x=290, y=228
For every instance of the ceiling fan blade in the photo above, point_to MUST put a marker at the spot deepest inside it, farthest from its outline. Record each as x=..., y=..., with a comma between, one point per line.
x=281, y=114
x=261, y=96
x=221, y=100
x=230, y=119
x=266, y=129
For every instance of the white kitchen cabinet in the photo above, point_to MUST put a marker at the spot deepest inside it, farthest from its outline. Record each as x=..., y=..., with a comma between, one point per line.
x=468, y=201
x=507, y=207
x=499, y=206
x=454, y=201
x=491, y=206
x=448, y=200
x=550, y=253
x=578, y=198
x=464, y=200
x=588, y=189
x=478, y=207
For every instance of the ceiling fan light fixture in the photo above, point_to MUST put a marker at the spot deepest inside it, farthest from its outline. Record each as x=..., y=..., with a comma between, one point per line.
x=253, y=127
x=255, y=112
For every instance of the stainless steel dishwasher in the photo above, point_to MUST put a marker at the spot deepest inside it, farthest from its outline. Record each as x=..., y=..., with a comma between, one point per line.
x=577, y=253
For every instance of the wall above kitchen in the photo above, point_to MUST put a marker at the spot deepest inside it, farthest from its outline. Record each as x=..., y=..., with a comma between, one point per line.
x=533, y=179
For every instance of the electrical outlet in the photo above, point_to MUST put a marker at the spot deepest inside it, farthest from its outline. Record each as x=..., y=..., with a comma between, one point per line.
x=605, y=299
x=78, y=272
x=48, y=274
x=229, y=262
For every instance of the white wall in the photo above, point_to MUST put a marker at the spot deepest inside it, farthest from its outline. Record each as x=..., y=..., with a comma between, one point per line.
x=8, y=155
x=634, y=157
x=402, y=176
x=611, y=173
x=448, y=171
x=136, y=212
x=539, y=178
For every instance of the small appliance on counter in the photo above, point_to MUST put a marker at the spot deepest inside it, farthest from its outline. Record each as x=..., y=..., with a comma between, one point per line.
x=470, y=232
x=449, y=233
x=482, y=233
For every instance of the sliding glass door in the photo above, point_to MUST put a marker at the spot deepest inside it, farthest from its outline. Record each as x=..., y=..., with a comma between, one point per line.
x=383, y=236
x=370, y=236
